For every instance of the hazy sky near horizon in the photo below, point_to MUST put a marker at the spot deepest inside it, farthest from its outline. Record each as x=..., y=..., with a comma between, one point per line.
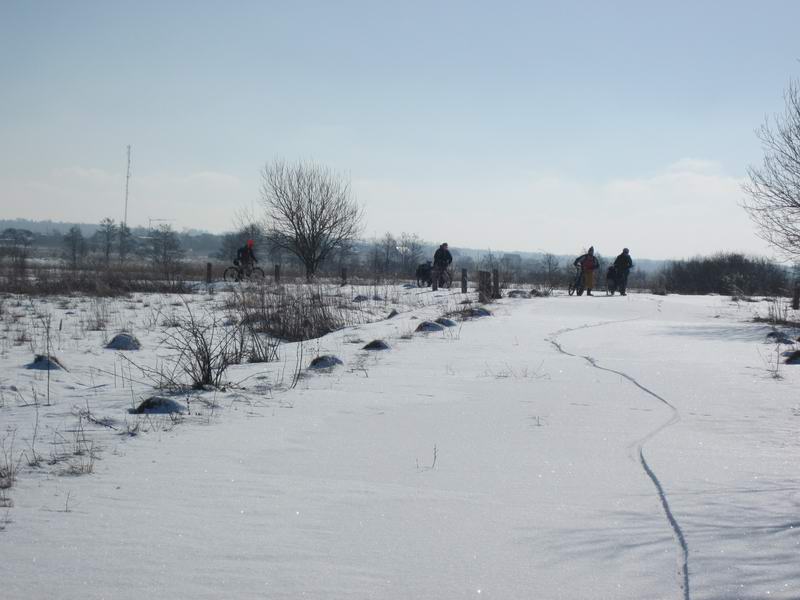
x=508, y=125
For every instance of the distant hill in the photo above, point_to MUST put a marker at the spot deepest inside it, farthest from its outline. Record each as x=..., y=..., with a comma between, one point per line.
x=47, y=227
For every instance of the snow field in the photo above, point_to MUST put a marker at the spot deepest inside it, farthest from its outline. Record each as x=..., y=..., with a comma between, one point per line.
x=477, y=462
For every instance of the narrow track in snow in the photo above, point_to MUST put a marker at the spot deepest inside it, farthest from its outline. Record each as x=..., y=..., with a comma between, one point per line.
x=675, y=417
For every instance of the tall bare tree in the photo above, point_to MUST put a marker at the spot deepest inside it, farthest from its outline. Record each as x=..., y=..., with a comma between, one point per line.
x=165, y=250
x=549, y=269
x=774, y=188
x=74, y=247
x=310, y=211
x=126, y=243
x=105, y=236
x=410, y=249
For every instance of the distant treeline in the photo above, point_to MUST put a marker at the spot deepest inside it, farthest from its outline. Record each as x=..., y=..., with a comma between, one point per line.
x=725, y=273
x=390, y=257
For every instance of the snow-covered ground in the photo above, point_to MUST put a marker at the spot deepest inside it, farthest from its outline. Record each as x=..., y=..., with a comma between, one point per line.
x=564, y=448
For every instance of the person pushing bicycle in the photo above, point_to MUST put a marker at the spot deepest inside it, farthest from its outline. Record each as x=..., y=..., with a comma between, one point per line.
x=441, y=263
x=588, y=264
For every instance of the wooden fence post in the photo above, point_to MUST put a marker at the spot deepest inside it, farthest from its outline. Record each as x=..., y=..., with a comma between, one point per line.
x=277, y=273
x=484, y=286
x=344, y=275
x=208, y=272
x=796, y=297
x=496, y=284
x=463, y=281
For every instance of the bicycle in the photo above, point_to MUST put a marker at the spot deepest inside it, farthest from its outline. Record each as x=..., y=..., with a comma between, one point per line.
x=445, y=277
x=611, y=280
x=577, y=284
x=238, y=273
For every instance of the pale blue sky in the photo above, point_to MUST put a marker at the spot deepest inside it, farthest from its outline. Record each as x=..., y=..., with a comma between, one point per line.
x=524, y=125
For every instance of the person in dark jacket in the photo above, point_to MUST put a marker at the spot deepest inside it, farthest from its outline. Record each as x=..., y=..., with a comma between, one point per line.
x=623, y=265
x=245, y=257
x=441, y=262
x=588, y=264
x=442, y=257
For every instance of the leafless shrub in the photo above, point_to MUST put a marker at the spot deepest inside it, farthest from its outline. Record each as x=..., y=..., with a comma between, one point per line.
x=303, y=313
x=83, y=453
x=9, y=463
x=421, y=468
x=202, y=348
x=147, y=423
x=98, y=317
x=34, y=459
x=777, y=313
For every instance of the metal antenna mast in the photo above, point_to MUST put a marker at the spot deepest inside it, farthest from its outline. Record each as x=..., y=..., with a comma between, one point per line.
x=127, y=185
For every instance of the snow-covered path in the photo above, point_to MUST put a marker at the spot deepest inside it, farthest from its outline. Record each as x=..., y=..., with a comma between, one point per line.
x=479, y=463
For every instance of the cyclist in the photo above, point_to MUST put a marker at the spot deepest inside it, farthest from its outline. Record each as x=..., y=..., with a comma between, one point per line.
x=441, y=262
x=245, y=258
x=588, y=264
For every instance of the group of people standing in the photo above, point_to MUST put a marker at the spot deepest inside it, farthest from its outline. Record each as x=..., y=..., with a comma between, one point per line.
x=618, y=272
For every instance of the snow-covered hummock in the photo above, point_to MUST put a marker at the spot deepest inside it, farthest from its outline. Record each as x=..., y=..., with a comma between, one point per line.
x=564, y=448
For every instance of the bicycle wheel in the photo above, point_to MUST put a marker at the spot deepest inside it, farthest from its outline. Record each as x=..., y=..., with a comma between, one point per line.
x=446, y=280
x=257, y=274
x=231, y=274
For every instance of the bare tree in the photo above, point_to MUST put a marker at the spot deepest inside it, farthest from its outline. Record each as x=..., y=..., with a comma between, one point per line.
x=16, y=243
x=105, y=237
x=165, y=250
x=126, y=242
x=548, y=270
x=389, y=253
x=74, y=247
x=410, y=248
x=774, y=187
x=310, y=211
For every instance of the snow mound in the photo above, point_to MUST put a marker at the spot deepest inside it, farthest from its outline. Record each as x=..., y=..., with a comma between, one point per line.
x=779, y=337
x=157, y=405
x=444, y=321
x=792, y=358
x=326, y=361
x=475, y=313
x=429, y=326
x=519, y=294
x=376, y=345
x=124, y=341
x=360, y=298
x=46, y=363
